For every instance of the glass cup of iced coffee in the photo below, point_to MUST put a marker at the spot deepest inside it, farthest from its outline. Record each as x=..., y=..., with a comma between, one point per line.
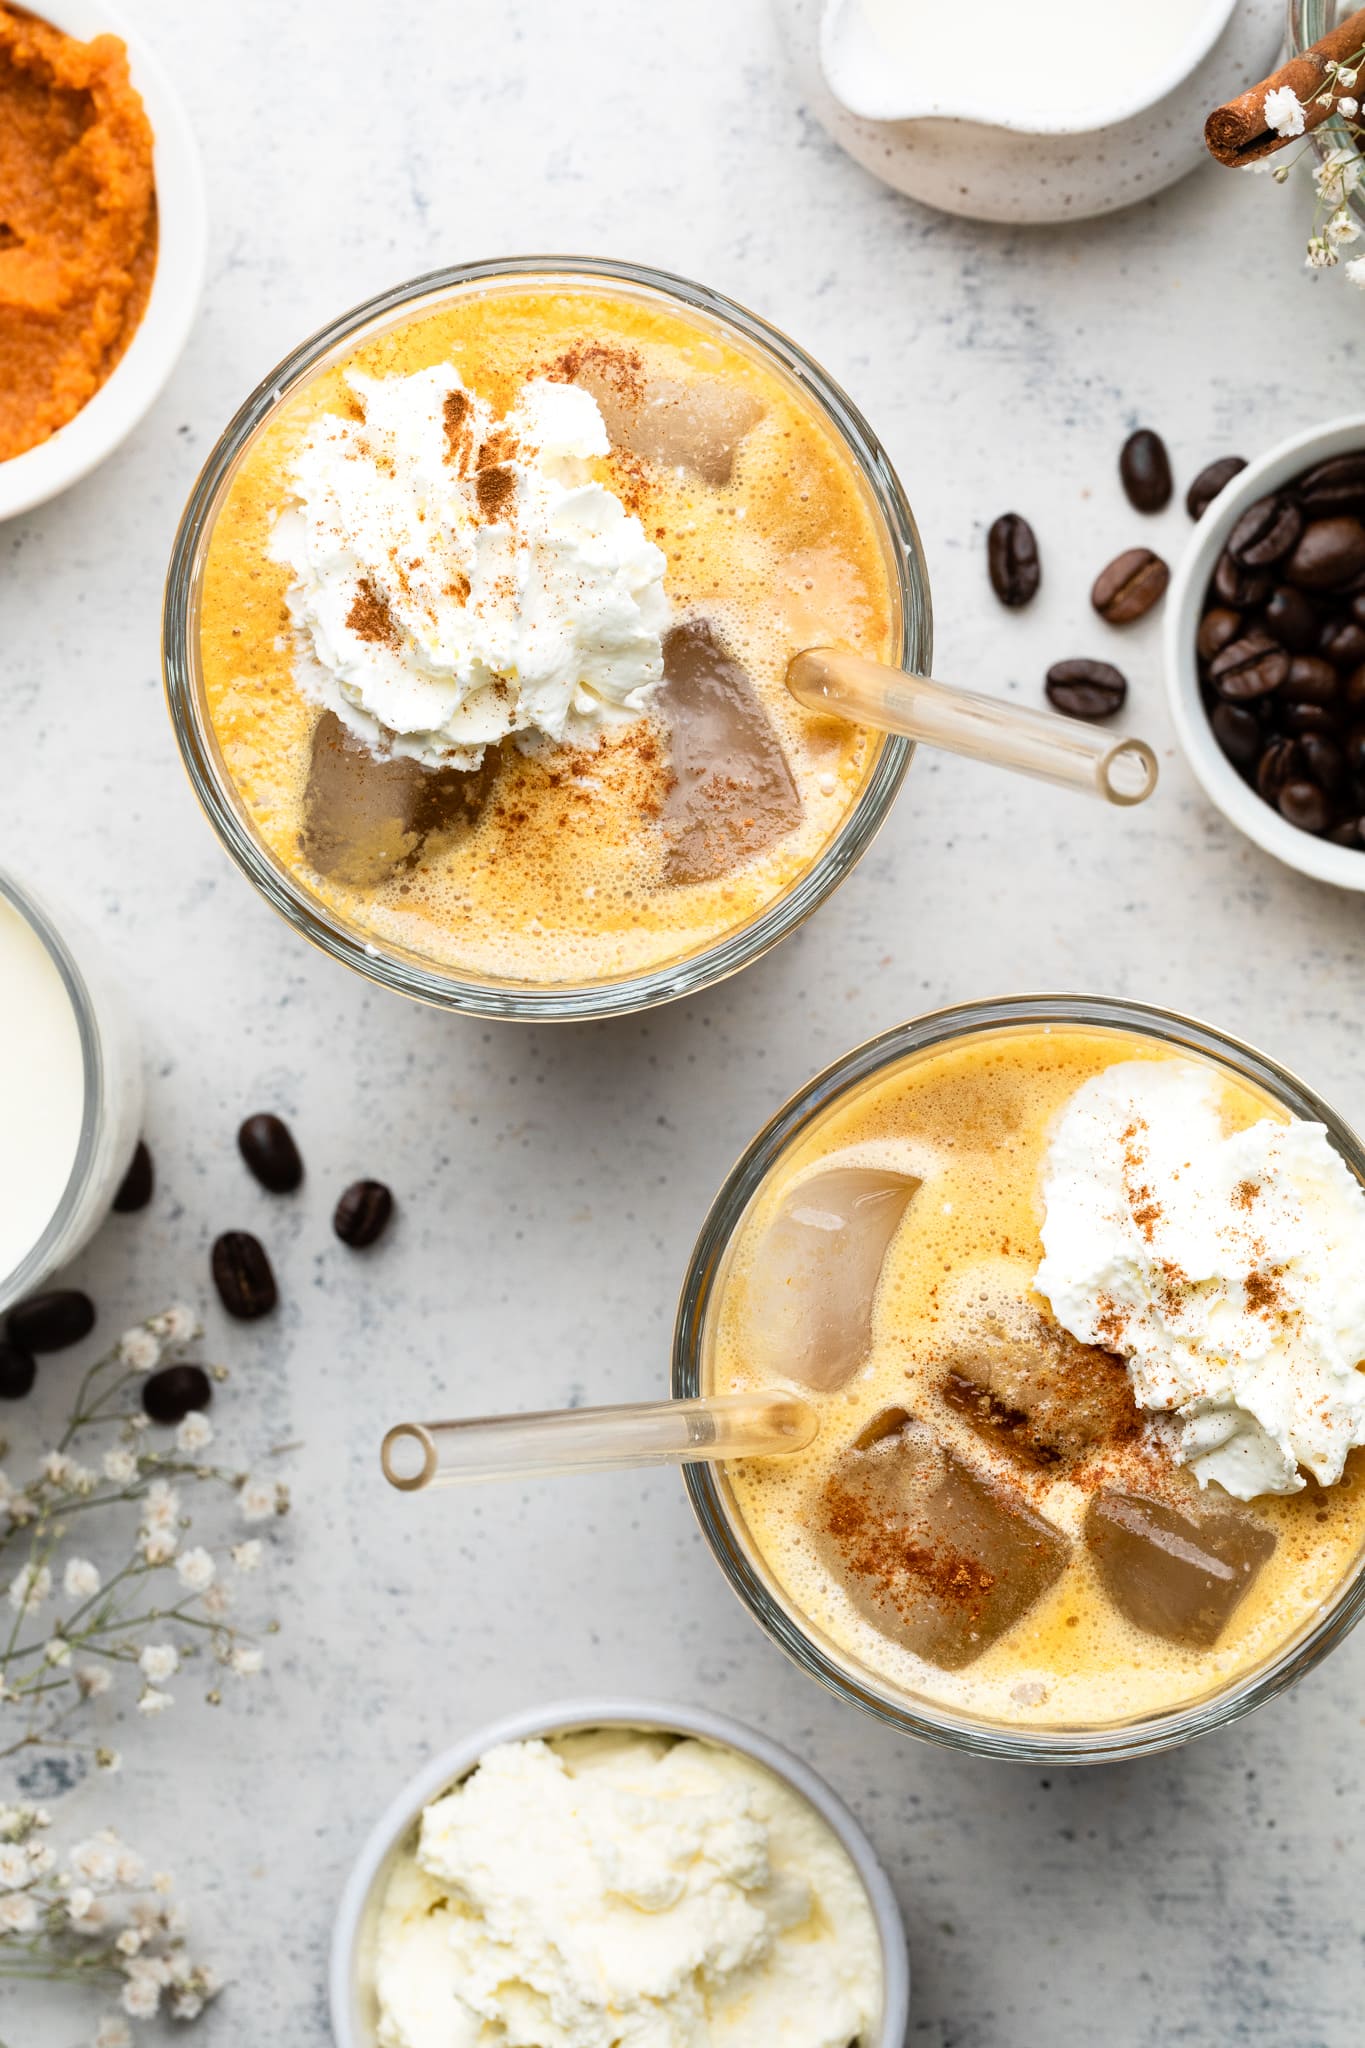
x=478, y=628
x=1076, y=1288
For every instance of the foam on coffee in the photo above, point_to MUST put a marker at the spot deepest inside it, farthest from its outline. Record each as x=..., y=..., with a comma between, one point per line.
x=770, y=541
x=958, y=1342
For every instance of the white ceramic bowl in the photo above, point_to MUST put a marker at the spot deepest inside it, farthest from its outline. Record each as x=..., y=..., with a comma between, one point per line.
x=350, y=1986
x=74, y=450
x=1341, y=865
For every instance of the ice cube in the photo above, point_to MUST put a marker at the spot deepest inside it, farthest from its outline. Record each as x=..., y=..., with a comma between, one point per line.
x=731, y=793
x=938, y=1559
x=1036, y=1393
x=1175, y=1572
x=815, y=1274
x=696, y=425
x=364, y=818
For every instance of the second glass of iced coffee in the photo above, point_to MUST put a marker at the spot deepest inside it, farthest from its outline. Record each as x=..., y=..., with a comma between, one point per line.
x=478, y=630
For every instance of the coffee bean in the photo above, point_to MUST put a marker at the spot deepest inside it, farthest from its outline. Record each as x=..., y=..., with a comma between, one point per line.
x=1279, y=764
x=1355, y=750
x=1298, y=718
x=1128, y=588
x=1342, y=642
x=1291, y=619
x=242, y=1275
x=1350, y=832
x=18, y=1371
x=135, y=1189
x=1337, y=485
x=1012, y=559
x=1353, y=690
x=1237, y=730
x=269, y=1150
x=1145, y=469
x=1324, y=761
x=1358, y=609
x=1210, y=482
x=1250, y=667
x=1311, y=680
x=1305, y=805
x=363, y=1213
x=169, y=1395
x=1237, y=586
x=1330, y=552
x=49, y=1322
x=1216, y=629
x=1266, y=532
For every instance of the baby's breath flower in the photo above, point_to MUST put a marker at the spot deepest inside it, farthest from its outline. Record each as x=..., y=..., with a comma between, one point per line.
x=20, y=1509
x=194, y=1434
x=247, y=1556
x=177, y=1325
x=140, y=1997
x=150, y=1701
x=159, y=1661
x=120, y=1466
x=138, y=1350
x=29, y=1588
x=57, y=1652
x=41, y=1859
x=217, y=1600
x=1321, y=255
x=256, y=1500
x=18, y=1913
x=186, y=2005
x=129, y=1942
x=93, y=1918
x=157, y=1546
x=195, y=1570
x=112, y=2032
x=1337, y=176
x=1283, y=111
x=130, y=1868
x=1355, y=271
x=58, y=1467
x=92, y=1680
x=108, y=1760
x=1346, y=77
x=80, y=1580
x=246, y=1661
x=95, y=1860
x=161, y=1506
x=1349, y=107
x=14, y=1870
x=1342, y=227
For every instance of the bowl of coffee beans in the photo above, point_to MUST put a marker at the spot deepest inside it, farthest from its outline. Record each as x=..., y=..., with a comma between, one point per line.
x=1265, y=651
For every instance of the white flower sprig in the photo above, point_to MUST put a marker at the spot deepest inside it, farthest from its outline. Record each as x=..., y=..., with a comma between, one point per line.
x=1338, y=176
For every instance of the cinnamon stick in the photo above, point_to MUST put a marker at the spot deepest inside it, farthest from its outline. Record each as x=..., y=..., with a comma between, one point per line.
x=1238, y=133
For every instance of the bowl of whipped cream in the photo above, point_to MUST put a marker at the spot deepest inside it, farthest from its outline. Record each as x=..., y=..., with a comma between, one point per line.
x=605, y=1871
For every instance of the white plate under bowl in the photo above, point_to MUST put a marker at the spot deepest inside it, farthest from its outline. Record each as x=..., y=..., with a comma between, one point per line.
x=351, y=1992
x=182, y=238
x=1341, y=865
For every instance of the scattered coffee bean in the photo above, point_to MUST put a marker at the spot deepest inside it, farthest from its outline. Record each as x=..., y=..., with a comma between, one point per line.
x=243, y=1276
x=18, y=1371
x=269, y=1150
x=1237, y=730
x=1012, y=558
x=1311, y=680
x=169, y=1395
x=1216, y=629
x=1210, y=482
x=1337, y=485
x=1266, y=532
x=1128, y=588
x=1305, y=805
x=49, y=1322
x=363, y=1213
x=1086, y=689
x=135, y=1189
x=1250, y=667
x=1145, y=469
x=1292, y=619
x=1342, y=642
x=1330, y=553
x=1239, y=587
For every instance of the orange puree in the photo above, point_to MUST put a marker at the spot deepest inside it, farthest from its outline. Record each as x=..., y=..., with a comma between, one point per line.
x=77, y=222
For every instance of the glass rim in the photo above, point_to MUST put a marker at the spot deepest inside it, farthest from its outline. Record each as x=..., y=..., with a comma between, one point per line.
x=37, y=1260
x=1143, y=1735
x=447, y=989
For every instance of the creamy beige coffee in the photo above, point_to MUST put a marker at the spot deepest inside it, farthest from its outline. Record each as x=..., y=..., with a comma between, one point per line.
x=671, y=788
x=988, y=1520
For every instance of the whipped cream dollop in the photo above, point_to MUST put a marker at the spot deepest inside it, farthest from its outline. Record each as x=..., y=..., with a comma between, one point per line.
x=459, y=578
x=1228, y=1270
x=620, y=1887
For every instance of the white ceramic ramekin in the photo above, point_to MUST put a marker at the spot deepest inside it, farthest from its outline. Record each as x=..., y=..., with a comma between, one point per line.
x=350, y=1983
x=138, y=377
x=1222, y=784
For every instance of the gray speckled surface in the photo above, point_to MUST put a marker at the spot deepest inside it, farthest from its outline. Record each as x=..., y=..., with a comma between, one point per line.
x=551, y=1181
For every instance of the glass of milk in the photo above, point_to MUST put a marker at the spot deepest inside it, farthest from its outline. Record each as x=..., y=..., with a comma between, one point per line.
x=70, y=1090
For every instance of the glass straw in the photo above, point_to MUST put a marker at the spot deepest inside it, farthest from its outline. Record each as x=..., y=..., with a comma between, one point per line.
x=420, y=1454
x=1067, y=751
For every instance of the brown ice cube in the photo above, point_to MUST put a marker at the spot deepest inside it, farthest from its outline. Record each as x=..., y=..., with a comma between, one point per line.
x=695, y=425
x=1036, y=1393
x=931, y=1555
x=364, y=818
x=731, y=793
x=815, y=1275
x=1175, y=1572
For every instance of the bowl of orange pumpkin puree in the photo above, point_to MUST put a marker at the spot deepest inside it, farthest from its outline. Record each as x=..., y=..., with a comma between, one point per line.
x=102, y=239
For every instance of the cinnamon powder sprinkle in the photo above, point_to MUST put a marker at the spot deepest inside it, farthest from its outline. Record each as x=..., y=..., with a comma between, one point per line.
x=370, y=618
x=494, y=488
x=876, y=1550
x=459, y=433
x=620, y=368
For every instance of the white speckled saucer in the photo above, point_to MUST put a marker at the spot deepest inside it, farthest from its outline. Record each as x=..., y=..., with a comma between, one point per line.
x=990, y=173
